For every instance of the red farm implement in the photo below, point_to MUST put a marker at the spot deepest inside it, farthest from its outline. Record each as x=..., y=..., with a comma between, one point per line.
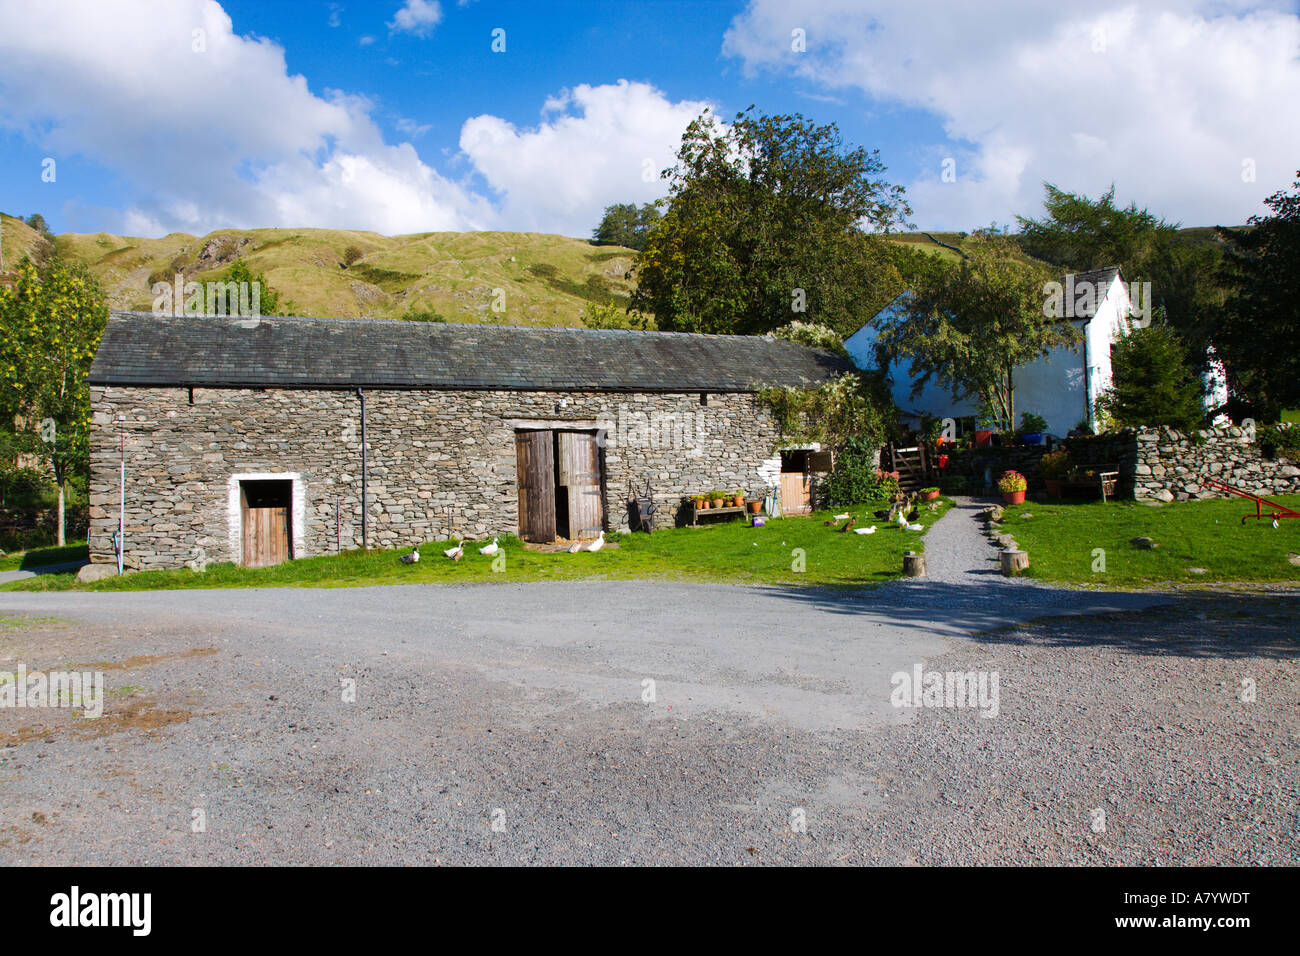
x=1278, y=512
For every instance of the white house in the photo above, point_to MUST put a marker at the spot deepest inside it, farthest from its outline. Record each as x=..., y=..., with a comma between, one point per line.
x=1061, y=386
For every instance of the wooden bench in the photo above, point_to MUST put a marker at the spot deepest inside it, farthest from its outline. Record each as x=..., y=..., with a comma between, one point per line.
x=728, y=510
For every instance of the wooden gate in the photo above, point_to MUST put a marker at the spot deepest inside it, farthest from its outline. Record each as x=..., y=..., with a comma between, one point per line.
x=912, y=465
x=264, y=522
x=578, y=477
x=535, y=463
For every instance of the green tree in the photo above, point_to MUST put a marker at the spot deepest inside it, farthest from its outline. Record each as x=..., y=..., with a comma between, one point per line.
x=969, y=325
x=626, y=224
x=1261, y=316
x=764, y=225
x=1153, y=384
x=51, y=321
x=269, y=299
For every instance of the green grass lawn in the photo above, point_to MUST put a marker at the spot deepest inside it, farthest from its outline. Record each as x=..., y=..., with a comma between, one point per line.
x=730, y=552
x=1061, y=540
x=42, y=556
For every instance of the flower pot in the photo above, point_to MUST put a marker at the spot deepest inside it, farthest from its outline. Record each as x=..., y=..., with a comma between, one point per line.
x=1053, y=486
x=738, y=501
x=931, y=495
x=703, y=505
x=755, y=506
x=983, y=438
x=943, y=461
x=1013, y=497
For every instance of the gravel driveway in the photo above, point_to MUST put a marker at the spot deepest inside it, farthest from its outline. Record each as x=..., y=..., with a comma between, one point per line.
x=510, y=723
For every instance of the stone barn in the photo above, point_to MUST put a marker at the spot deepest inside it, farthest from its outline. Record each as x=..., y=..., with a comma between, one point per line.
x=255, y=440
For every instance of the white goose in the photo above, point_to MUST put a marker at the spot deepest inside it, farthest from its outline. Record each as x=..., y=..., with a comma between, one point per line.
x=871, y=530
x=457, y=552
x=598, y=543
x=489, y=549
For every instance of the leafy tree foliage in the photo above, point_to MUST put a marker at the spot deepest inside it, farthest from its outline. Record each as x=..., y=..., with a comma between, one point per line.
x=1153, y=384
x=970, y=325
x=269, y=299
x=51, y=321
x=626, y=224
x=764, y=225
x=1258, y=336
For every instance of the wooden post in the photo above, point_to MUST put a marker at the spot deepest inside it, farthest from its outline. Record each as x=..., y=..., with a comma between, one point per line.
x=1014, y=562
x=913, y=564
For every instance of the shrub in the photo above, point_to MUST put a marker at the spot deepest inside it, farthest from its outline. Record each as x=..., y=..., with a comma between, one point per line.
x=856, y=477
x=350, y=255
x=421, y=314
x=1282, y=437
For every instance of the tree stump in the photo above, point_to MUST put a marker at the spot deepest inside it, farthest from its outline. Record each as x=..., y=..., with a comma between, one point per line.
x=913, y=564
x=1014, y=562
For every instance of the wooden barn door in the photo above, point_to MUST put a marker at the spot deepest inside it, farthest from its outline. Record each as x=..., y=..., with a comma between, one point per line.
x=535, y=463
x=264, y=522
x=796, y=493
x=578, y=476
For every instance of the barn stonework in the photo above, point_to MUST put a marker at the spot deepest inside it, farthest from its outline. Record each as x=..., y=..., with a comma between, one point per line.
x=217, y=439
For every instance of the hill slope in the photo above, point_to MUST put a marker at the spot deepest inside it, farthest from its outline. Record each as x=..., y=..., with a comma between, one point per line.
x=546, y=279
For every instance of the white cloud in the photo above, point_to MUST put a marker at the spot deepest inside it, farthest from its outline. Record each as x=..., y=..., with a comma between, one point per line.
x=418, y=17
x=596, y=145
x=227, y=137
x=1166, y=98
x=222, y=137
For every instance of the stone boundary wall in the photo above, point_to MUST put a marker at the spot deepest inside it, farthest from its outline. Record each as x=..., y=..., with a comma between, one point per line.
x=1155, y=464
x=1172, y=466
x=440, y=463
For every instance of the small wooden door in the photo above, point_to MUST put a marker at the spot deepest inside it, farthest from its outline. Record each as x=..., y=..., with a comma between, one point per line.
x=264, y=522
x=578, y=476
x=796, y=497
x=535, y=478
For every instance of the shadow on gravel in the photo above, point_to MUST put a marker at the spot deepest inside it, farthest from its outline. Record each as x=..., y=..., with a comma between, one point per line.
x=1189, y=624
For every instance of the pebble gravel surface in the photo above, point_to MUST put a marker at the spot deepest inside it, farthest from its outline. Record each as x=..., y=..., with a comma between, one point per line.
x=507, y=724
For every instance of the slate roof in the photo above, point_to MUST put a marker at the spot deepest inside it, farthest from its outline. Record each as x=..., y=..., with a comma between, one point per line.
x=142, y=349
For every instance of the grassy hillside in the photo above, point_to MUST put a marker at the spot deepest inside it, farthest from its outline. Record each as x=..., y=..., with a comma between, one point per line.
x=17, y=239
x=547, y=279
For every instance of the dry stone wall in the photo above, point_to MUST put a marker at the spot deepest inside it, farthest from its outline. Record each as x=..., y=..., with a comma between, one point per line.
x=440, y=463
x=1172, y=466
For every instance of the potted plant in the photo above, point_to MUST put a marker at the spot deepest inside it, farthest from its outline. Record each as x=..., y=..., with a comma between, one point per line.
x=1012, y=484
x=738, y=499
x=700, y=502
x=755, y=505
x=1053, y=467
x=1032, y=428
x=929, y=494
x=716, y=498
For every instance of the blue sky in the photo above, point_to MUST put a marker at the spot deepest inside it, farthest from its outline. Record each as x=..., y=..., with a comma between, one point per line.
x=399, y=117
